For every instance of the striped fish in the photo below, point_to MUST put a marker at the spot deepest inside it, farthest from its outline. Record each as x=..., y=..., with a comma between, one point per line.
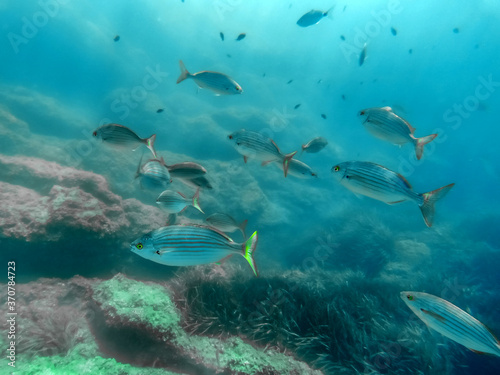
x=186, y=169
x=314, y=145
x=219, y=83
x=190, y=245
x=378, y=182
x=452, y=322
x=384, y=124
x=254, y=145
x=153, y=175
x=226, y=223
x=120, y=136
x=175, y=203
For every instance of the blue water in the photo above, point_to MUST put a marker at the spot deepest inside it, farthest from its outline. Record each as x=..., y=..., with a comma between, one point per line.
x=63, y=75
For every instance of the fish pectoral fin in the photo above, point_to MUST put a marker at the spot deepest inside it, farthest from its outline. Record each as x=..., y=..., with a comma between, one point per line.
x=402, y=200
x=224, y=259
x=478, y=352
x=434, y=315
x=264, y=163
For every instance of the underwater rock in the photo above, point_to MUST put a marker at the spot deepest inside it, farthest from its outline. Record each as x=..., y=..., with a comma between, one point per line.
x=44, y=200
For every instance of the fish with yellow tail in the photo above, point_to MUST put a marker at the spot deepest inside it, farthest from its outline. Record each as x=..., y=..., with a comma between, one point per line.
x=452, y=322
x=380, y=183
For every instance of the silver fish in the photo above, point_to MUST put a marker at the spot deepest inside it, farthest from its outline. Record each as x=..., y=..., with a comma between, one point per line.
x=299, y=169
x=315, y=145
x=175, y=203
x=254, y=145
x=197, y=182
x=120, y=136
x=187, y=170
x=219, y=83
x=452, y=322
x=378, y=182
x=312, y=17
x=190, y=245
x=226, y=223
x=384, y=124
x=153, y=175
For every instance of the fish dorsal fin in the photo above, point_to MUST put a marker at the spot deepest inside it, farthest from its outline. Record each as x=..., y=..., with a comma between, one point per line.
x=402, y=200
x=213, y=230
x=387, y=108
x=408, y=185
x=275, y=145
x=434, y=315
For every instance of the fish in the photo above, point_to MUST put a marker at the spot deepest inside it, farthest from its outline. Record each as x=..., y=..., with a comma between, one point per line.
x=172, y=218
x=116, y=38
x=226, y=223
x=380, y=183
x=241, y=36
x=394, y=31
x=219, y=83
x=452, y=322
x=342, y=37
x=187, y=170
x=456, y=30
x=175, y=203
x=323, y=116
x=384, y=124
x=159, y=110
x=299, y=169
x=297, y=106
x=362, y=55
x=120, y=136
x=314, y=145
x=191, y=245
x=289, y=82
x=153, y=175
x=221, y=36
x=312, y=17
x=254, y=145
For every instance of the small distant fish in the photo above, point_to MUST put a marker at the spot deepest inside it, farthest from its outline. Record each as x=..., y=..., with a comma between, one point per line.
x=241, y=36
x=456, y=30
x=314, y=145
x=299, y=169
x=297, y=106
x=226, y=223
x=394, y=31
x=254, y=145
x=452, y=322
x=323, y=116
x=116, y=38
x=153, y=175
x=312, y=17
x=343, y=97
x=187, y=170
x=380, y=183
x=160, y=110
x=221, y=36
x=362, y=55
x=120, y=136
x=263, y=74
x=289, y=82
x=342, y=37
x=319, y=81
x=410, y=51
x=384, y=124
x=228, y=55
x=191, y=245
x=175, y=203
x=219, y=83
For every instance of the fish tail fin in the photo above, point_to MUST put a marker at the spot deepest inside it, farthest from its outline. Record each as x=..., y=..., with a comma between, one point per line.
x=430, y=199
x=249, y=249
x=329, y=13
x=243, y=227
x=184, y=72
x=150, y=143
x=421, y=142
x=286, y=161
x=195, y=203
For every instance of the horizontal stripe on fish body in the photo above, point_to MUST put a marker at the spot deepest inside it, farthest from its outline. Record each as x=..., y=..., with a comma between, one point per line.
x=375, y=181
x=186, y=170
x=120, y=136
x=452, y=322
x=385, y=124
x=255, y=145
x=154, y=175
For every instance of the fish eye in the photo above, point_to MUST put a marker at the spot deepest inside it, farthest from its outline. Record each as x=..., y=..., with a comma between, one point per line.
x=94, y=134
x=410, y=297
x=157, y=252
x=336, y=168
x=139, y=246
x=230, y=136
x=362, y=113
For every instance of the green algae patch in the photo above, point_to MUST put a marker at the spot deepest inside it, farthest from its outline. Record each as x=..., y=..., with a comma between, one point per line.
x=138, y=303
